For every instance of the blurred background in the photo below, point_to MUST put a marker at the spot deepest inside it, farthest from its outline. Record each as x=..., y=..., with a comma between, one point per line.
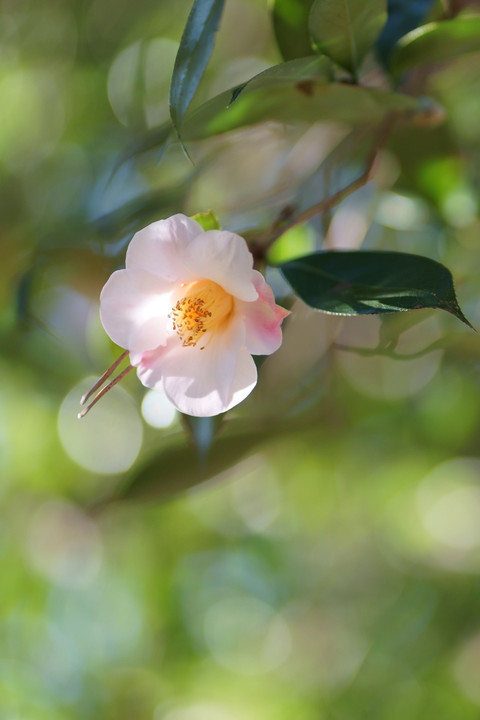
x=323, y=561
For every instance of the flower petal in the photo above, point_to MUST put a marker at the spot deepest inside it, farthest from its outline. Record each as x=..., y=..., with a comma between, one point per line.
x=197, y=378
x=158, y=249
x=202, y=382
x=131, y=318
x=151, y=334
x=223, y=257
x=245, y=377
x=263, y=319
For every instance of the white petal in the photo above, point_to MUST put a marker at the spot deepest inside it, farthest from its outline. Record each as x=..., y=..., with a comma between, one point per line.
x=198, y=381
x=202, y=382
x=263, y=319
x=245, y=378
x=158, y=249
x=223, y=257
x=148, y=336
x=127, y=313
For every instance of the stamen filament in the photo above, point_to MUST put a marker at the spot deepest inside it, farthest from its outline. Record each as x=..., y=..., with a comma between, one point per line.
x=205, y=307
x=105, y=375
x=105, y=389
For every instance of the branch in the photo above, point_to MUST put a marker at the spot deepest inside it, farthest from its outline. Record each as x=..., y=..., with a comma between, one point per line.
x=261, y=243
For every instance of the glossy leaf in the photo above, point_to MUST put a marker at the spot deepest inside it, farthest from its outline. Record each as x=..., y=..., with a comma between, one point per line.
x=403, y=16
x=193, y=55
x=437, y=42
x=346, y=30
x=290, y=25
x=298, y=90
x=371, y=282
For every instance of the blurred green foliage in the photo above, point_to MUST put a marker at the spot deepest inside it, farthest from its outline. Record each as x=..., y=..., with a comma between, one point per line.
x=328, y=564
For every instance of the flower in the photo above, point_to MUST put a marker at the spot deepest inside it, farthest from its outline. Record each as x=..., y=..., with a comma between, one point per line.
x=191, y=310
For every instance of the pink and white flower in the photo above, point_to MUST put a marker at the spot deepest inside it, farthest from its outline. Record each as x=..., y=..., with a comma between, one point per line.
x=191, y=310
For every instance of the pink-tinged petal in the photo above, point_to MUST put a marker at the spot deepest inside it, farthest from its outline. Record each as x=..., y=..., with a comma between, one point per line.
x=223, y=257
x=149, y=367
x=158, y=249
x=202, y=382
x=263, y=319
x=127, y=313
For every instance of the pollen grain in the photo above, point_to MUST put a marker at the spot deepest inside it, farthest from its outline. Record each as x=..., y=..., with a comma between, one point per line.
x=205, y=308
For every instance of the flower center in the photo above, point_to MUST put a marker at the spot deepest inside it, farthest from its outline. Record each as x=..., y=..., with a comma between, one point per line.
x=205, y=307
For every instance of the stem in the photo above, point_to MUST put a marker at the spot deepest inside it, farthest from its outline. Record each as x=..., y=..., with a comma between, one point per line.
x=285, y=220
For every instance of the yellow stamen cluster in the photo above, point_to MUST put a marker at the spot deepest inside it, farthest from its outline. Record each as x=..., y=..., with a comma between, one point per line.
x=204, y=308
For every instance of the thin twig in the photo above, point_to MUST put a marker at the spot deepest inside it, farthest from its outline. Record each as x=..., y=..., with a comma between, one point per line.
x=287, y=220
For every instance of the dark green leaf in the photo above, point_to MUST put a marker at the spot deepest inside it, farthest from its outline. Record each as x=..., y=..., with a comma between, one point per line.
x=371, y=282
x=346, y=30
x=193, y=55
x=436, y=42
x=403, y=16
x=290, y=25
x=298, y=90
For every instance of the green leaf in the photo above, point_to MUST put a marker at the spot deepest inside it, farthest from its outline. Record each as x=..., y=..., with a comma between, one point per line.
x=436, y=42
x=292, y=72
x=298, y=90
x=298, y=239
x=371, y=282
x=193, y=55
x=208, y=220
x=346, y=30
x=290, y=25
x=287, y=74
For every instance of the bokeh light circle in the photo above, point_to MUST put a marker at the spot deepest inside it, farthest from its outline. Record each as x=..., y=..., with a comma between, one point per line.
x=109, y=438
x=247, y=635
x=448, y=501
x=157, y=410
